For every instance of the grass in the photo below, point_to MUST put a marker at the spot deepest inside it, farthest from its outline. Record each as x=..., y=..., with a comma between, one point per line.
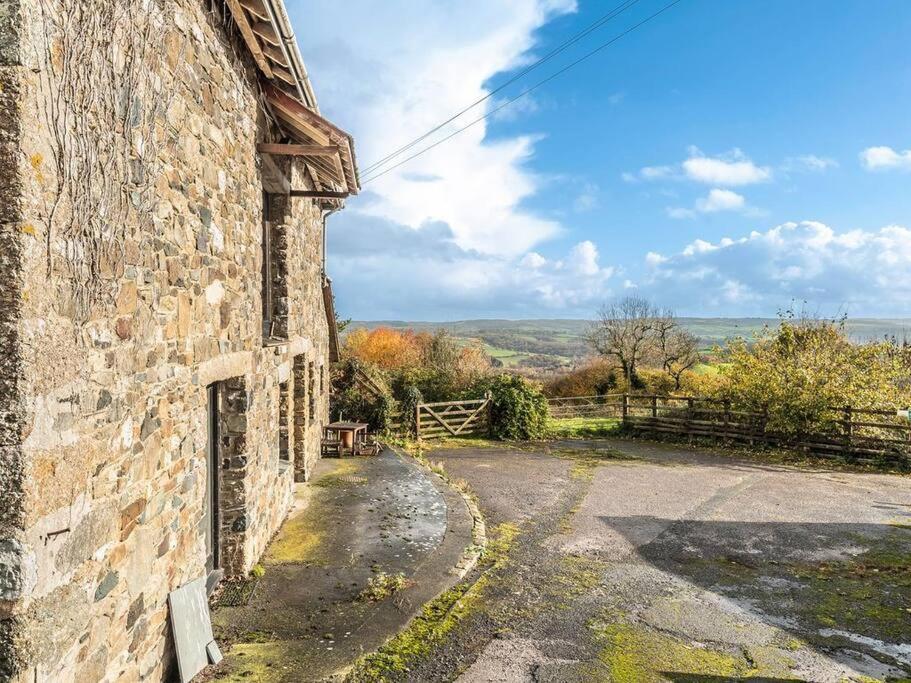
x=383, y=586
x=582, y=427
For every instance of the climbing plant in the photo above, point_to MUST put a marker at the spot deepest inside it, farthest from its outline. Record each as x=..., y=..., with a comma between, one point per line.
x=101, y=93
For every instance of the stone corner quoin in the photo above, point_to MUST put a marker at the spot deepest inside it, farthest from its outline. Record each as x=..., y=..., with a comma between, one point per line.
x=164, y=327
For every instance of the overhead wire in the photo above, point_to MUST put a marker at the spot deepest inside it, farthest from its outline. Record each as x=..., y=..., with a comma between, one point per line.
x=619, y=9
x=603, y=46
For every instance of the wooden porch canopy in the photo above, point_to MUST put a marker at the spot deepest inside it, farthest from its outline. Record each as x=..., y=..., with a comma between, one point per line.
x=326, y=149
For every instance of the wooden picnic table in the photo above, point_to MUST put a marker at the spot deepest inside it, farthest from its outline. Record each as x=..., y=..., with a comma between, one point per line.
x=350, y=433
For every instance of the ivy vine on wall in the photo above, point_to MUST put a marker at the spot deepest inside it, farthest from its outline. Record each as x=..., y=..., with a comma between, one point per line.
x=101, y=92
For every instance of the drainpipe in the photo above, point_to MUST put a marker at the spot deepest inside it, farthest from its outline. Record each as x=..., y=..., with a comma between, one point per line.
x=326, y=215
x=291, y=51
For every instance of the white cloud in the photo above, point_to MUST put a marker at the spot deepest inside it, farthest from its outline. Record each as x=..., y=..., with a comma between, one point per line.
x=727, y=170
x=533, y=260
x=717, y=200
x=385, y=270
x=721, y=200
x=863, y=272
x=583, y=258
x=653, y=258
x=882, y=158
x=809, y=163
x=420, y=68
x=731, y=169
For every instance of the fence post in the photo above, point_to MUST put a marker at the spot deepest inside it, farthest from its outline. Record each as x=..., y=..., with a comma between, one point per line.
x=417, y=421
x=727, y=417
x=847, y=425
x=625, y=407
x=689, y=418
x=489, y=398
x=655, y=407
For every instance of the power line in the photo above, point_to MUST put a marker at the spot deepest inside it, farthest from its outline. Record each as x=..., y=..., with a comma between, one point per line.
x=524, y=92
x=550, y=55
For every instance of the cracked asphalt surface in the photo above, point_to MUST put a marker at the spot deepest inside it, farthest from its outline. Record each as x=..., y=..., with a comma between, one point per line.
x=637, y=561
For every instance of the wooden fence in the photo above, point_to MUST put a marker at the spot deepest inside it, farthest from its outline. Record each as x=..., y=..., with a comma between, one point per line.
x=453, y=418
x=847, y=431
x=608, y=405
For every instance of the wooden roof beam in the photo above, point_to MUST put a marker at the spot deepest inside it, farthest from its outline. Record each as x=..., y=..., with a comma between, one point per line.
x=246, y=30
x=275, y=55
x=319, y=194
x=297, y=150
x=267, y=32
x=256, y=8
x=301, y=126
x=284, y=74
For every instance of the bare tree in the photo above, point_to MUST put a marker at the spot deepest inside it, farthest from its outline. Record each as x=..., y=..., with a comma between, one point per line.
x=625, y=330
x=679, y=349
x=635, y=332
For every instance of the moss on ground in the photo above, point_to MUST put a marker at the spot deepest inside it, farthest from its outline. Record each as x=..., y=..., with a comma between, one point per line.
x=586, y=460
x=869, y=594
x=575, y=576
x=262, y=661
x=340, y=476
x=437, y=618
x=634, y=653
x=299, y=541
x=383, y=586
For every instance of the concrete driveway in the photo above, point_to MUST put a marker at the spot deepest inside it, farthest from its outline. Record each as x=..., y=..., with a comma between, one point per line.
x=307, y=617
x=642, y=562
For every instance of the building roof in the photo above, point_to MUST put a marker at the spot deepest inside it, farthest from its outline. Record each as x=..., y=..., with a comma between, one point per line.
x=327, y=150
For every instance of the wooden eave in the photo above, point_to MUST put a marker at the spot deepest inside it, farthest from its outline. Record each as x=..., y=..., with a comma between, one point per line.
x=302, y=125
x=306, y=127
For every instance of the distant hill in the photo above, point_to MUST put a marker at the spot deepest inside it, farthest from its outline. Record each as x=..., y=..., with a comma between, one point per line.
x=550, y=343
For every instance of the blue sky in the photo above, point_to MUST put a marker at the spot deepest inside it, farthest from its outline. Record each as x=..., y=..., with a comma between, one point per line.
x=723, y=159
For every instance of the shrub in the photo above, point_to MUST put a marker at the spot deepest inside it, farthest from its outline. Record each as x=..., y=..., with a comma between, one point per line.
x=594, y=378
x=804, y=369
x=655, y=381
x=409, y=398
x=519, y=408
x=355, y=400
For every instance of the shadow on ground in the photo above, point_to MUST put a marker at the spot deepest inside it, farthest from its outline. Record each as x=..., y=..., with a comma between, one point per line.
x=834, y=586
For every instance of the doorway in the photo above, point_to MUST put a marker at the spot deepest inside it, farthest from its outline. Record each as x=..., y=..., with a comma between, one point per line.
x=211, y=516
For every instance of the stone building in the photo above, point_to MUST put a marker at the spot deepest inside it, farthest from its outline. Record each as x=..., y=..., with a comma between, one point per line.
x=165, y=318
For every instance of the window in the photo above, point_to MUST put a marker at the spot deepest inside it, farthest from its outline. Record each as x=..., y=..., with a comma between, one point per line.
x=284, y=426
x=212, y=482
x=267, y=274
x=274, y=282
x=311, y=378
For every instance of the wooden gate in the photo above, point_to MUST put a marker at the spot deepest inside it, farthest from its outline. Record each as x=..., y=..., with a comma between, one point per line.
x=453, y=418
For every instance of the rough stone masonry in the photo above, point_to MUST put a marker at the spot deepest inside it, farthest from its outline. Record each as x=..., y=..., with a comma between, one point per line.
x=163, y=336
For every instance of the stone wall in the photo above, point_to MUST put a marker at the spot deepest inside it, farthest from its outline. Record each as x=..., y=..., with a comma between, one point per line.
x=126, y=291
x=13, y=563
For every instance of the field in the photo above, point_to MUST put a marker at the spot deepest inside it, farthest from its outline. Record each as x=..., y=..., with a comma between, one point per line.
x=553, y=344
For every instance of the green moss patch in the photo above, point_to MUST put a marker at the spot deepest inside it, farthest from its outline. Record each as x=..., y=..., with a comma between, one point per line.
x=869, y=595
x=300, y=541
x=437, y=618
x=576, y=576
x=636, y=654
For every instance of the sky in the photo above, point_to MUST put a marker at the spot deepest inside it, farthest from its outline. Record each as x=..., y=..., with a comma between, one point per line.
x=725, y=158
